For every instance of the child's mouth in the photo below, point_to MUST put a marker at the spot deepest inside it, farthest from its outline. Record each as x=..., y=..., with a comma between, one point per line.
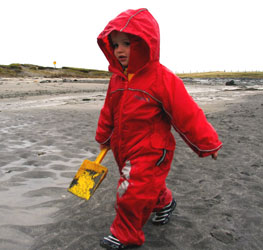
x=122, y=58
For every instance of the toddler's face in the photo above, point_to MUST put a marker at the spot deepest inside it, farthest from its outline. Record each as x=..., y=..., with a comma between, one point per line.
x=121, y=46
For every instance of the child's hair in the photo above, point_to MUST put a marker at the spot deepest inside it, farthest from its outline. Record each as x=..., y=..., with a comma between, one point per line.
x=110, y=41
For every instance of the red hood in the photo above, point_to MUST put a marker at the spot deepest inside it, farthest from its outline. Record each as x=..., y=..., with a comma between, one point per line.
x=145, y=47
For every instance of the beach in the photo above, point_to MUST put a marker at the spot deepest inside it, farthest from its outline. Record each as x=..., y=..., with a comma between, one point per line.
x=47, y=129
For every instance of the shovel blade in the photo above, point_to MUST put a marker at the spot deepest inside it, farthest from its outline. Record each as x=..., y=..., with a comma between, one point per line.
x=87, y=179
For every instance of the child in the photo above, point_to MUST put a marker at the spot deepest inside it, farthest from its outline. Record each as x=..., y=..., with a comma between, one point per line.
x=143, y=100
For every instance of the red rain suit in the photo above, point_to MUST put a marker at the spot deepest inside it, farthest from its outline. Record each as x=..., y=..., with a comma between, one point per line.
x=136, y=122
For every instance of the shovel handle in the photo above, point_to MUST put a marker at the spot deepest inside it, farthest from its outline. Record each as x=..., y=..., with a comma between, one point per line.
x=101, y=155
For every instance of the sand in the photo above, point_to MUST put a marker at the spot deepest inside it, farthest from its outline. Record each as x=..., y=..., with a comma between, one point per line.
x=47, y=129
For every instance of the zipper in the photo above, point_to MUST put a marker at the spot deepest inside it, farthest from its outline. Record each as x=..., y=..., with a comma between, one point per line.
x=121, y=111
x=162, y=158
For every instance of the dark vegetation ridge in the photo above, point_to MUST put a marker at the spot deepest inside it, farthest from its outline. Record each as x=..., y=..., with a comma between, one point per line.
x=30, y=70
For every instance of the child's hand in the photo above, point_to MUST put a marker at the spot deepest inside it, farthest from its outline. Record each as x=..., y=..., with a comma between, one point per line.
x=214, y=155
x=103, y=146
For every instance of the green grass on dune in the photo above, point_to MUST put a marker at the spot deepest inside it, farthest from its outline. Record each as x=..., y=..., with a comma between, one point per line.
x=223, y=74
x=30, y=70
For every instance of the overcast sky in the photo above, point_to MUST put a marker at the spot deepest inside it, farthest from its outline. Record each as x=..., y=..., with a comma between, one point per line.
x=196, y=35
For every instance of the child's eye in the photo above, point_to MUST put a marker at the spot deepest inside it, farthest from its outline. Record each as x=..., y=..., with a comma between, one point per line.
x=115, y=45
x=127, y=43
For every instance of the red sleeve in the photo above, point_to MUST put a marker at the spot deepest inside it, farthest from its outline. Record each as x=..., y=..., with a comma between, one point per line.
x=187, y=118
x=105, y=122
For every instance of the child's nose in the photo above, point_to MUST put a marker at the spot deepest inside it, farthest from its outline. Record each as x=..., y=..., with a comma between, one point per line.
x=120, y=48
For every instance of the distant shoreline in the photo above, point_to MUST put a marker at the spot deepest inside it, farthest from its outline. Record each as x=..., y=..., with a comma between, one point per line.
x=30, y=70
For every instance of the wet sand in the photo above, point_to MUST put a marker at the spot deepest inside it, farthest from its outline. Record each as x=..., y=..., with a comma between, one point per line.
x=47, y=130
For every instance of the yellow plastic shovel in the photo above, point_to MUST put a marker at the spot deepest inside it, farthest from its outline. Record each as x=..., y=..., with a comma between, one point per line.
x=89, y=177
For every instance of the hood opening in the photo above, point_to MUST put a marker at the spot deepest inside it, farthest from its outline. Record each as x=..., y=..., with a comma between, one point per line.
x=139, y=55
